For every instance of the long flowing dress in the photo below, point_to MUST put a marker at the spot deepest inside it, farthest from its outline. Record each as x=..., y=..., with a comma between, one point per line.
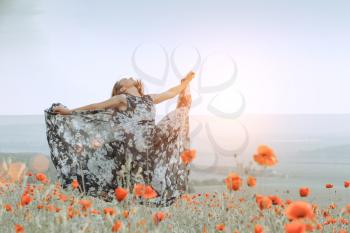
x=106, y=149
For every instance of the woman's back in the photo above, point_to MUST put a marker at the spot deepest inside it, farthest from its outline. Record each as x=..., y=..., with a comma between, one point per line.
x=105, y=149
x=139, y=108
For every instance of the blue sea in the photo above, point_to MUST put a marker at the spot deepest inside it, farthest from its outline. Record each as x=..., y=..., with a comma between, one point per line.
x=24, y=133
x=315, y=147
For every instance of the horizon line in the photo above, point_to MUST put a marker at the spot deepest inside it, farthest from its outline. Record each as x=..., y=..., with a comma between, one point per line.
x=8, y=115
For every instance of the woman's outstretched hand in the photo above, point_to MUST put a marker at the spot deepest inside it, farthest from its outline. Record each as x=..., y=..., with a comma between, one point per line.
x=188, y=77
x=183, y=99
x=172, y=92
x=62, y=110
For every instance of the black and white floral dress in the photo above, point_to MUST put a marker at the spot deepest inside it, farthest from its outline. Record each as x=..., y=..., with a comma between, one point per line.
x=105, y=149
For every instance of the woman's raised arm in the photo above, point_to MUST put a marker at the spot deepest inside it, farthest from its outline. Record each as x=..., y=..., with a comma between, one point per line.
x=113, y=102
x=172, y=92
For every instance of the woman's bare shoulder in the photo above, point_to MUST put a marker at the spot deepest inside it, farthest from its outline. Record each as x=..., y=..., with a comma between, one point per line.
x=119, y=98
x=115, y=102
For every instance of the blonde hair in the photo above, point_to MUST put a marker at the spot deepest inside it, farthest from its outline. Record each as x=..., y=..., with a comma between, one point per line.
x=117, y=88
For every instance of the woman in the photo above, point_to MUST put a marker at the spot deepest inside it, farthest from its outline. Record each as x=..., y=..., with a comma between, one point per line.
x=117, y=143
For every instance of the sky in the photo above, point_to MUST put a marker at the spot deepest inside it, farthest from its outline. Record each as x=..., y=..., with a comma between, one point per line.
x=283, y=57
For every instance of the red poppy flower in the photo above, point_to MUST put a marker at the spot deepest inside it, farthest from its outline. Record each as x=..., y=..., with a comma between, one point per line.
x=204, y=229
x=145, y=191
x=75, y=184
x=264, y=203
x=251, y=181
x=233, y=181
x=188, y=155
x=62, y=197
x=299, y=209
x=121, y=194
x=139, y=190
x=8, y=207
x=19, y=228
x=276, y=200
x=96, y=212
x=158, y=217
x=220, y=227
x=85, y=204
x=117, y=226
x=348, y=209
x=26, y=199
x=42, y=178
x=265, y=156
x=258, y=229
x=109, y=211
x=295, y=227
x=304, y=191
x=149, y=192
x=126, y=213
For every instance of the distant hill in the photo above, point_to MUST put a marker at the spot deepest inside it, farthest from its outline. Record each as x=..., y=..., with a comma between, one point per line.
x=330, y=150
x=339, y=154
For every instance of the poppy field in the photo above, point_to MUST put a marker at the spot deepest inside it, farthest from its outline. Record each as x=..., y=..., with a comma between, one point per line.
x=31, y=202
